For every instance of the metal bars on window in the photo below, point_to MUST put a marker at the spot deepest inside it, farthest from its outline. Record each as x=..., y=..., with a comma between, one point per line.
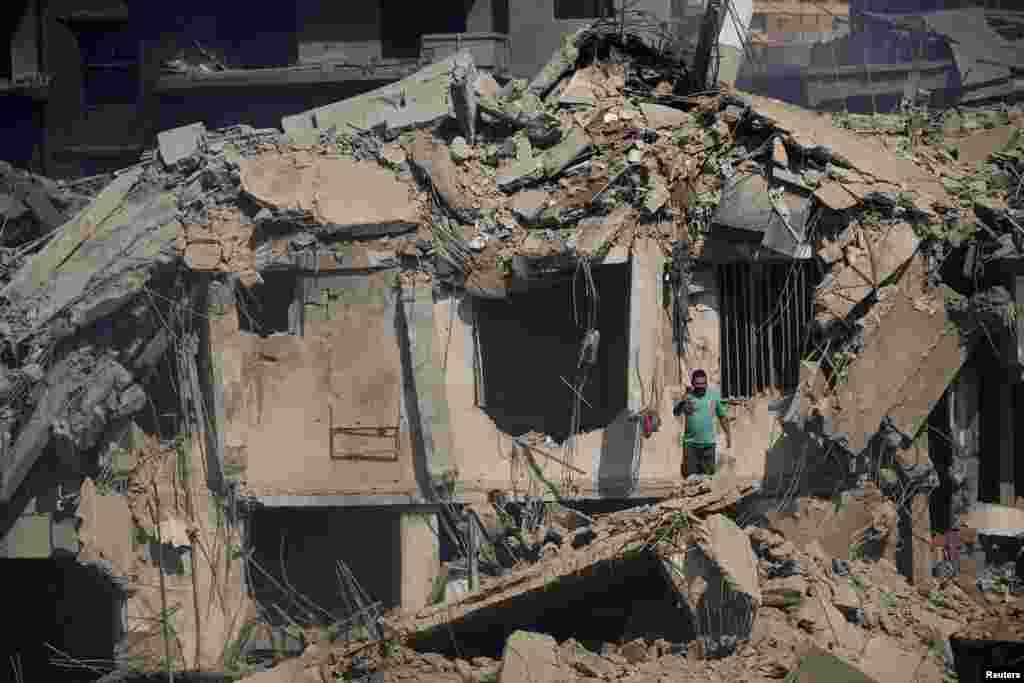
x=764, y=313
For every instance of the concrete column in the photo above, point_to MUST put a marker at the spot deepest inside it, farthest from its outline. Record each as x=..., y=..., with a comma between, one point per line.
x=920, y=541
x=419, y=554
x=1007, y=490
x=965, y=425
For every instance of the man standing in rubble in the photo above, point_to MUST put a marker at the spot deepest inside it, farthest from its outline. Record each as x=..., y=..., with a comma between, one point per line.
x=699, y=439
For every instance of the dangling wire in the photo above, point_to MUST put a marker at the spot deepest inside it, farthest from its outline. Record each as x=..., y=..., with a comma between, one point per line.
x=589, y=347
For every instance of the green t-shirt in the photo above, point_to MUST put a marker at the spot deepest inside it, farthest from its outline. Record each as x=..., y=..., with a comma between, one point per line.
x=700, y=427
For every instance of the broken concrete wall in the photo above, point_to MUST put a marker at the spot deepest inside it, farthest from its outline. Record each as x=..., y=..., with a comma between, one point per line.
x=285, y=394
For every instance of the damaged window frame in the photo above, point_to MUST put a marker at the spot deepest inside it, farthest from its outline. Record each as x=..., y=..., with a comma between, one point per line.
x=748, y=366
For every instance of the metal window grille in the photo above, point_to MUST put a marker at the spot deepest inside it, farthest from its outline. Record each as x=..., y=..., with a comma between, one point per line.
x=764, y=313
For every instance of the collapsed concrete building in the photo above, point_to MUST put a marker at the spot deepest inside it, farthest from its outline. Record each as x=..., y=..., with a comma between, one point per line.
x=400, y=303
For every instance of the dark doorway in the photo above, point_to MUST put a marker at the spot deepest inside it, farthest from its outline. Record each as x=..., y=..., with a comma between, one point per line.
x=74, y=609
x=295, y=553
x=991, y=433
x=530, y=347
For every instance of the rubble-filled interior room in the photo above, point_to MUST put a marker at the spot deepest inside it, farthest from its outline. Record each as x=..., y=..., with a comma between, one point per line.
x=363, y=343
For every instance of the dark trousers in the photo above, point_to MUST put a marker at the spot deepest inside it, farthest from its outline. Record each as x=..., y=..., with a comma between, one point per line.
x=699, y=460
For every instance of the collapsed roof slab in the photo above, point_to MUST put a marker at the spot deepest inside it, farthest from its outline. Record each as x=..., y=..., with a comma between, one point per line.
x=910, y=356
x=618, y=535
x=422, y=100
x=100, y=258
x=348, y=198
x=815, y=134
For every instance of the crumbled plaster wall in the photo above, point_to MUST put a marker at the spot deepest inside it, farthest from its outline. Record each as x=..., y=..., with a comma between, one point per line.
x=281, y=393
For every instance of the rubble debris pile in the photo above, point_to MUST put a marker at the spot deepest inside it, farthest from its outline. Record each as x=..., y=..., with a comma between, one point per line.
x=448, y=178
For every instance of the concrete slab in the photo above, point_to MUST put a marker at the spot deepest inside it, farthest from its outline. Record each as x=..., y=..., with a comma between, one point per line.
x=421, y=100
x=612, y=543
x=909, y=358
x=345, y=196
x=819, y=666
x=659, y=116
x=532, y=658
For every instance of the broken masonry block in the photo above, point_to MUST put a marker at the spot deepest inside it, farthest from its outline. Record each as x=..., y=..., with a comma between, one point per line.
x=716, y=578
x=521, y=173
x=179, y=146
x=525, y=113
x=531, y=657
x=435, y=162
x=559, y=157
x=346, y=197
x=527, y=206
x=659, y=116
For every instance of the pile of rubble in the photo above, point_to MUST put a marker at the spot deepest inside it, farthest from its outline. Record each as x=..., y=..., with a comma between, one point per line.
x=457, y=180
x=754, y=606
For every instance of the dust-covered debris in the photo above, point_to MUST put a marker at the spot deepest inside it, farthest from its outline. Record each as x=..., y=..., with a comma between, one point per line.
x=101, y=276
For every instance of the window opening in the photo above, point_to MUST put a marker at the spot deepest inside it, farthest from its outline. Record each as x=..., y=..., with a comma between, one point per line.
x=764, y=313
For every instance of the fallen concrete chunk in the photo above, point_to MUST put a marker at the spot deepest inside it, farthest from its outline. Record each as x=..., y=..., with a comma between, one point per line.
x=344, y=196
x=532, y=658
x=434, y=161
x=178, y=145
x=93, y=268
x=522, y=172
x=659, y=116
x=525, y=112
x=611, y=543
x=75, y=404
x=748, y=211
x=586, y=662
x=592, y=83
x=833, y=195
x=42, y=266
x=909, y=359
x=886, y=662
x=421, y=100
x=886, y=251
x=558, y=158
x=819, y=666
x=527, y=206
x=717, y=579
